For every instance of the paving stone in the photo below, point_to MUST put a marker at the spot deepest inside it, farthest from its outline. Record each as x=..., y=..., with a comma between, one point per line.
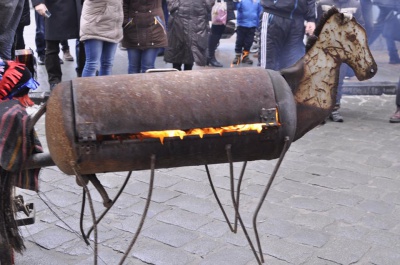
x=341, y=198
x=378, y=162
x=183, y=219
x=313, y=220
x=152, y=252
x=331, y=183
x=62, y=198
x=203, y=246
x=383, y=256
x=193, y=204
x=234, y=255
x=169, y=234
x=343, y=251
x=354, y=232
x=53, y=238
x=197, y=189
x=163, y=195
x=309, y=204
x=276, y=227
x=308, y=237
x=286, y=251
x=377, y=207
x=295, y=188
x=138, y=208
x=350, y=176
x=346, y=214
x=382, y=238
x=386, y=184
x=299, y=176
x=215, y=229
x=379, y=221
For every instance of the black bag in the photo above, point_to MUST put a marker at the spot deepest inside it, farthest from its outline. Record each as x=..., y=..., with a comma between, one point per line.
x=391, y=29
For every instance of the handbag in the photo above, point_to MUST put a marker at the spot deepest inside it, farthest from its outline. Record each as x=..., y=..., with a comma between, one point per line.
x=219, y=13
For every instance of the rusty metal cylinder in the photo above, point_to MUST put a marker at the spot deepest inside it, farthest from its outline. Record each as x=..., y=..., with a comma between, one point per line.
x=84, y=110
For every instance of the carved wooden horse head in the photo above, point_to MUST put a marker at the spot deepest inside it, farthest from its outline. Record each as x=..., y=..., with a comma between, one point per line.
x=314, y=79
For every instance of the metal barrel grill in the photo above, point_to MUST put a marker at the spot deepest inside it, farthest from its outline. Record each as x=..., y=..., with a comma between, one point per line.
x=96, y=125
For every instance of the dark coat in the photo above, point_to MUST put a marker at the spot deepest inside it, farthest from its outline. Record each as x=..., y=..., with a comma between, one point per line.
x=63, y=23
x=291, y=9
x=188, y=30
x=26, y=15
x=144, y=24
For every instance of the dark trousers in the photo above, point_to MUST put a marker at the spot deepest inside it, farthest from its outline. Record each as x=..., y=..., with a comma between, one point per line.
x=186, y=67
x=244, y=38
x=213, y=39
x=39, y=36
x=398, y=95
x=52, y=61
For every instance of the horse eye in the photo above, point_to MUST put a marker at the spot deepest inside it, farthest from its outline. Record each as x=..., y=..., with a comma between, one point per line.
x=351, y=37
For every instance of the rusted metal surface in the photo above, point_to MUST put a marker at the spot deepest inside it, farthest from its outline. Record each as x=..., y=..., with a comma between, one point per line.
x=314, y=78
x=81, y=110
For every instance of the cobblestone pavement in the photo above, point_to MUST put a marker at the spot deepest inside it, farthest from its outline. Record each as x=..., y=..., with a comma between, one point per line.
x=335, y=200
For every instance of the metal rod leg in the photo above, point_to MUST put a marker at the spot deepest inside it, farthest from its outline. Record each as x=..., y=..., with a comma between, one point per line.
x=146, y=208
x=260, y=203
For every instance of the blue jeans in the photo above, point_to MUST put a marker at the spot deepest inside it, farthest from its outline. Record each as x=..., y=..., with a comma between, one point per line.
x=101, y=53
x=141, y=60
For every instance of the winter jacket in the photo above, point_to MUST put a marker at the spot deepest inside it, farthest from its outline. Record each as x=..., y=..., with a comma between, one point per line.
x=388, y=3
x=345, y=6
x=144, y=24
x=102, y=20
x=26, y=15
x=248, y=13
x=188, y=30
x=63, y=23
x=291, y=8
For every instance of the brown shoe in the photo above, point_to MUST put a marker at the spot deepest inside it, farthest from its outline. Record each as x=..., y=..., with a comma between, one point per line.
x=68, y=56
x=395, y=118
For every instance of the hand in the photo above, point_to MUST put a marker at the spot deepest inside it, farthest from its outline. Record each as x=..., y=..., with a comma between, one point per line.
x=41, y=9
x=310, y=27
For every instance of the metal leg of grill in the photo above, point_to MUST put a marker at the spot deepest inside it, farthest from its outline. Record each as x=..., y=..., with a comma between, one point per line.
x=235, y=200
x=267, y=188
x=146, y=208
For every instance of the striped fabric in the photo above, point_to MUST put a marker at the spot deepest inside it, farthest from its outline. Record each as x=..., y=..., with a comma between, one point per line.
x=17, y=144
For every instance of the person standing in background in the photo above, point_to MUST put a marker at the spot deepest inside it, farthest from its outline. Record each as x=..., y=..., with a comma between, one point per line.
x=188, y=31
x=10, y=15
x=101, y=31
x=248, y=13
x=63, y=24
x=353, y=8
x=144, y=32
x=216, y=34
x=395, y=118
x=283, y=30
x=19, y=42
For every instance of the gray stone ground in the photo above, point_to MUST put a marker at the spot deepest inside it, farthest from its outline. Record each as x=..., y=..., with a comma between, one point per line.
x=335, y=200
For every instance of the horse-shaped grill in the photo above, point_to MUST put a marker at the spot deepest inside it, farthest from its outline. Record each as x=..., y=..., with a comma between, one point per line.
x=84, y=140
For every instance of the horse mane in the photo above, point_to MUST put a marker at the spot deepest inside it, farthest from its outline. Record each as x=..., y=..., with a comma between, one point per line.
x=312, y=39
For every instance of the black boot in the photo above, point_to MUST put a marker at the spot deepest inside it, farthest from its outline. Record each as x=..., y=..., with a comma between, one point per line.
x=213, y=41
x=213, y=62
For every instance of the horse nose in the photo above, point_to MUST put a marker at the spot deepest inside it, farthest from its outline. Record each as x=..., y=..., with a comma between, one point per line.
x=373, y=70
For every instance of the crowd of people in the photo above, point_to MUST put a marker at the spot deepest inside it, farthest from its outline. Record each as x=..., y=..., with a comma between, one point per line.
x=181, y=32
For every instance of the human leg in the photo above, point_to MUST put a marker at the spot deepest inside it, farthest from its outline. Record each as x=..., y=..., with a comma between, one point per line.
x=148, y=59
x=240, y=34
x=213, y=40
x=177, y=66
x=65, y=49
x=8, y=27
x=294, y=47
x=19, y=38
x=335, y=115
x=39, y=38
x=395, y=118
x=247, y=42
x=107, y=57
x=134, y=60
x=188, y=67
x=80, y=57
x=93, y=49
x=52, y=62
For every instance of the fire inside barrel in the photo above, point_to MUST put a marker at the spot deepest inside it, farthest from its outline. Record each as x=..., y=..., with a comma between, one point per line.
x=115, y=123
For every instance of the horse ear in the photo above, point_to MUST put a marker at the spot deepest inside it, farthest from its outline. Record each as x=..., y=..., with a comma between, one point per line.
x=346, y=17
